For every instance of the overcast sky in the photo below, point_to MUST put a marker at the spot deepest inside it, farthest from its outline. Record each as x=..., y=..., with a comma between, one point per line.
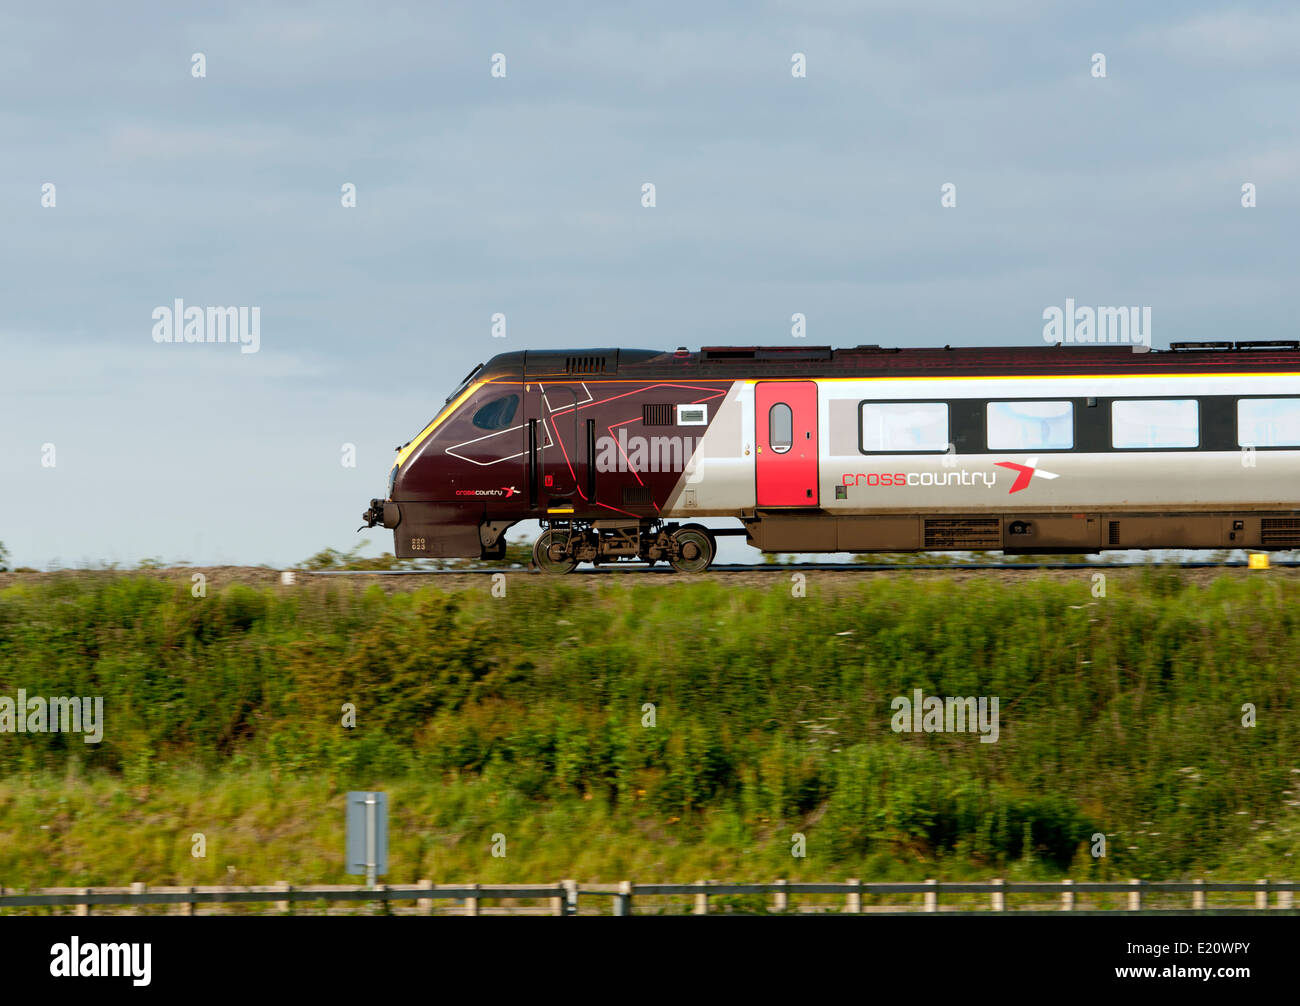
x=522, y=195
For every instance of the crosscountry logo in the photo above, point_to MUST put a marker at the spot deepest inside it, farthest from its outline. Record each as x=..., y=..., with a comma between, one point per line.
x=506, y=491
x=1025, y=473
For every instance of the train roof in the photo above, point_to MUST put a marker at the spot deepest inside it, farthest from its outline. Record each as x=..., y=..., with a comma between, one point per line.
x=739, y=362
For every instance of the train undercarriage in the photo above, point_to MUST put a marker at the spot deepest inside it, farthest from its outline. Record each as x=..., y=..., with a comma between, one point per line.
x=688, y=548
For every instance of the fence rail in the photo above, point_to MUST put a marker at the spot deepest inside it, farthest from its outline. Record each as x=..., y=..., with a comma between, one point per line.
x=564, y=897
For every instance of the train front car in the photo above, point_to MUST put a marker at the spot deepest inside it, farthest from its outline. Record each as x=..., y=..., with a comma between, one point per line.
x=456, y=486
x=560, y=438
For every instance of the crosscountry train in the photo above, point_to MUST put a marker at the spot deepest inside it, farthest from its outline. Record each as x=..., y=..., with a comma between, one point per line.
x=618, y=452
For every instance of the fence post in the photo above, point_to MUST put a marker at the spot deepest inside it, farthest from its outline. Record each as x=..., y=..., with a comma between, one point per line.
x=932, y=896
x=1198, y=896
x=471, y=903
x=138, y=888
x=570, y=897
x=1067, y=895
x=1135, y=896
x=1285, y=899
x=285, y=907
x=623, y=899
x=701, y=898
x=190, y=907
x=853, y=900
x=557, y=903
x=82, y=910
x=999, y=895
x=780, y=898
x=424, y=906
x=1261, y=896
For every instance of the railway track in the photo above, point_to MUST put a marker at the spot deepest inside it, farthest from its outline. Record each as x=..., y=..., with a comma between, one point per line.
x=811, y=567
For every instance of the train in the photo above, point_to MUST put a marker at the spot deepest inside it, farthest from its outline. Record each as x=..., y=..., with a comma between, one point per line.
x=619, y=453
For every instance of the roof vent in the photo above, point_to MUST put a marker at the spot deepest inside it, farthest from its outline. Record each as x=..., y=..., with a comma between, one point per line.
x=584, y=364
x=793, y=353
x=1273, y=344
x=1249, y=345
x=727, y=352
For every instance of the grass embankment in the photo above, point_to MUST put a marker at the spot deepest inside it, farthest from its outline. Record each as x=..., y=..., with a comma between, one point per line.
x=523, y=716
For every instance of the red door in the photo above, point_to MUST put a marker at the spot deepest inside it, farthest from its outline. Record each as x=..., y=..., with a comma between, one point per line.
x=785, y=420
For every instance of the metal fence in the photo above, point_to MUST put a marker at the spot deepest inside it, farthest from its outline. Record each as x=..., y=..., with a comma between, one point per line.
x=567, y=897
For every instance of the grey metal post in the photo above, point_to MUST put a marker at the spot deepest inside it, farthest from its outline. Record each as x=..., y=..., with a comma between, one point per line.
x=701, y=898
x=370, y=840
x=623, y=899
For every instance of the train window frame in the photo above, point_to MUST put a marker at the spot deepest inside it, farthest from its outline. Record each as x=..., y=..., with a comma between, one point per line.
x=862, y=428
x=1071, y=403
x=770, y=442
x=1262, y=398
x=496, y=424
x=1157, y=400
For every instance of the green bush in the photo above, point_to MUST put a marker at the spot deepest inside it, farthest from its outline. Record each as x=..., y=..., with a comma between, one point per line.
x=1119, y=716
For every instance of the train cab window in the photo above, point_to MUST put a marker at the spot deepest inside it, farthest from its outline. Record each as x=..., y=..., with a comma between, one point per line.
x=496, y=414
x=904, y=427
x=1030, y=426
x=780, y=427
x=1155, y=424
x=1268, y=422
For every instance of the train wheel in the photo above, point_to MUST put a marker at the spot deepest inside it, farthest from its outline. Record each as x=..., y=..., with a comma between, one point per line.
x=551, y=552
x=693, y=550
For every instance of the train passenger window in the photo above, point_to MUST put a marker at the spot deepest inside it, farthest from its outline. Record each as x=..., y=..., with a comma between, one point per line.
x=780, y=427
x=904, y=426
x=1155, y=423
x=1030, y=426
x=496, y=414
x=1268, y=422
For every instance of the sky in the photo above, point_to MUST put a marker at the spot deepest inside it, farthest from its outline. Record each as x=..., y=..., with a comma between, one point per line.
x=522, y=194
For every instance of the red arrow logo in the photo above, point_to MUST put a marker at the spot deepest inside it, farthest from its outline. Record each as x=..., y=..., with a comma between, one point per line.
x=1025, y=473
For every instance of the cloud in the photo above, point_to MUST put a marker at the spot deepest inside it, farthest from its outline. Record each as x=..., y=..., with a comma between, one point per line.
x=141, y=141
x=1235, y=38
